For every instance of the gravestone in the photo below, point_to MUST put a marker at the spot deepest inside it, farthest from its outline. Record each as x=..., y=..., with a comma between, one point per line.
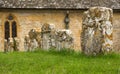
x=46, y=37
x=52, y=38
x=64, y=39
x=97, y=31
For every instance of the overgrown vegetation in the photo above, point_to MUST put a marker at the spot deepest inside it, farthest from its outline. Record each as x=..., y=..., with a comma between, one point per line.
x=58, y=62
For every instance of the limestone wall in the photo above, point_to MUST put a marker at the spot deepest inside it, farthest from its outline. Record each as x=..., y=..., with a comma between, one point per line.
x=116, y=31
x=28, y=19
x=1, y=34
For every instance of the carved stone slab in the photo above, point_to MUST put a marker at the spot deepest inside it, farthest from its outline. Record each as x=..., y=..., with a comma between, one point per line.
x=97, y=34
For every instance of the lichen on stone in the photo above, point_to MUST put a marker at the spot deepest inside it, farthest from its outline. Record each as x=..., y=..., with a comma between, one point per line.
x=97, y=30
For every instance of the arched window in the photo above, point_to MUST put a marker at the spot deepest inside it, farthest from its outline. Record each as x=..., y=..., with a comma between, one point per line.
x=7, y=30
x=14, y=29
x=10, y=27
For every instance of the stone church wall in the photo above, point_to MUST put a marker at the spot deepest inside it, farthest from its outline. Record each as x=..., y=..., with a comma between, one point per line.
x=29, y=19
x=116, y=31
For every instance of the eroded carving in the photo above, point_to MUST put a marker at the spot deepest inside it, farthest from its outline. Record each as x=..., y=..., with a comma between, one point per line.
x=97, y=30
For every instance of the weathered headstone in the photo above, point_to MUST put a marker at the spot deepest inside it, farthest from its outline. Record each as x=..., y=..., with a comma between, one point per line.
x=64, y=39
x=5, y=45
x=97, y=33
x=10, y=44
x=27, y=42
x=33, y=40
x=16, y=43
x=52, y=38
x=46, y=35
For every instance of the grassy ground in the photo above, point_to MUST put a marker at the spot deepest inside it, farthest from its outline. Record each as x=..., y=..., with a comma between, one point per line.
x=63, y=62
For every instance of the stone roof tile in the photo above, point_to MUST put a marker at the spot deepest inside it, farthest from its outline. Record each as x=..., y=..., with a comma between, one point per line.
x=59, y=4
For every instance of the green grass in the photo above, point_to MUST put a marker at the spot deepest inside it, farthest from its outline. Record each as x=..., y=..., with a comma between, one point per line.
x=62, y=62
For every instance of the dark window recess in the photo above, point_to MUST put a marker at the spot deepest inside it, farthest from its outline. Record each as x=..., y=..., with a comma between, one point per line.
x=14, y=29
x=7, y=30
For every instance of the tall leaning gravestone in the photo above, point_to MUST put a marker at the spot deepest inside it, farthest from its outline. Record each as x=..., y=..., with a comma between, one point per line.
x=97, y=33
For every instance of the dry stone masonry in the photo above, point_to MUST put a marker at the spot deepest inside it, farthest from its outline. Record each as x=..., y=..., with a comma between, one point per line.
x=97, y=33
